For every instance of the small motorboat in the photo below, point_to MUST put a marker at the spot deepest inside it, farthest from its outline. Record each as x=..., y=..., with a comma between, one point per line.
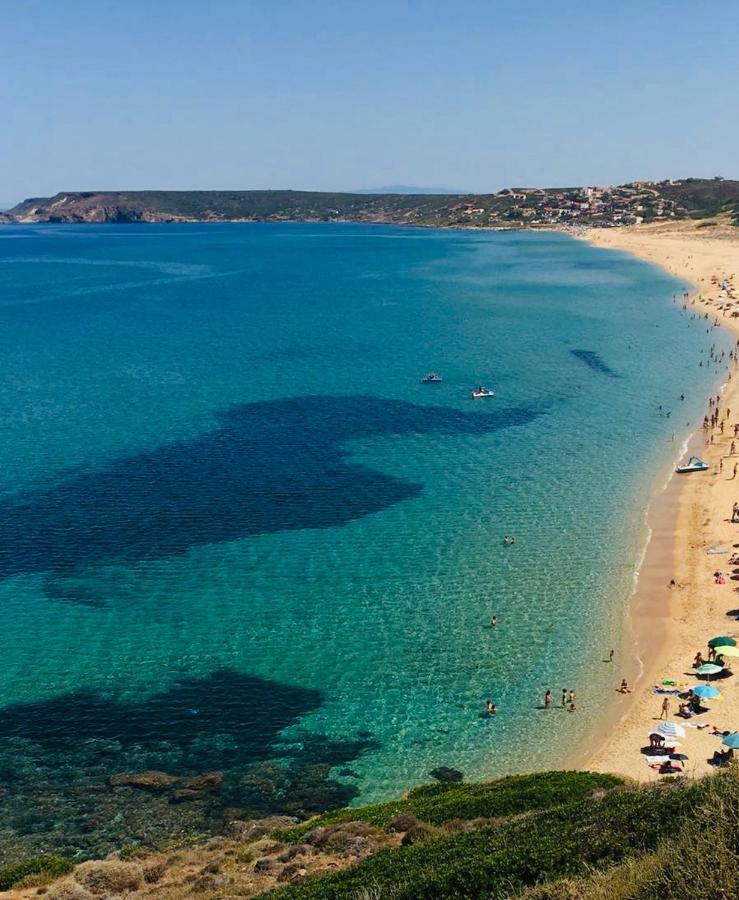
x=431, y=378
x=694, y=464
x=482, y=392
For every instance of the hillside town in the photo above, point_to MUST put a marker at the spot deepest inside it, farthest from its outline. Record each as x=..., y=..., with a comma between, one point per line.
x=627, y=204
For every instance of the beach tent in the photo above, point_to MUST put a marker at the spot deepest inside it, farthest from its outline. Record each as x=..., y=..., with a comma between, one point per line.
x=707, y=692
x=722, y=641
x=732, y=740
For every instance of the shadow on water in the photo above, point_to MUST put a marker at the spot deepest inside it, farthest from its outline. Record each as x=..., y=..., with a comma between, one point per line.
x=57, y=755
x=269, y=467
x=595, y=361
x=253, y=711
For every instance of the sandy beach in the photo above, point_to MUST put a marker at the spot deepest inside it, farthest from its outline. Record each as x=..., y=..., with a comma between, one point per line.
x=666, y=626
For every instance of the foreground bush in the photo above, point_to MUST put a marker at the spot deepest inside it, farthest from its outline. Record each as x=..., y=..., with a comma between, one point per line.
x=498, y=861
x=51, y=866
x=109, y=876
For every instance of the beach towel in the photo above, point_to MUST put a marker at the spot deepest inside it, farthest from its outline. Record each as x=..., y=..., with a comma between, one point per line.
x=659, y=690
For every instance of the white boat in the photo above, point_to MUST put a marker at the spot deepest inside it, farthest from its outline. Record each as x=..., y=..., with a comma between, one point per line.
x=482, y=392
x=431, y=378
x=694, y=464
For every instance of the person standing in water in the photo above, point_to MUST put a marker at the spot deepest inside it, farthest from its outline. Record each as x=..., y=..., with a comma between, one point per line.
x=494, y=621
x=548, y=700
x=564, y=698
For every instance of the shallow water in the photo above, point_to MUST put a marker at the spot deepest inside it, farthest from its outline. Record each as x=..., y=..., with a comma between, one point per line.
x=238, y=534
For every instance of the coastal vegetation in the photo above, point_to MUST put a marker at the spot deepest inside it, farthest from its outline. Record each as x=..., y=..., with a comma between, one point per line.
x=642, y=201
x=540, y=837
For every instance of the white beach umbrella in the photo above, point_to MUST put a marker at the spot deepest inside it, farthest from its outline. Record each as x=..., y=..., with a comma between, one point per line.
x=670, y=730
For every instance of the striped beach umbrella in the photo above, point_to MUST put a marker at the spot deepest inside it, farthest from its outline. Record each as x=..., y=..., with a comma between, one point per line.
x=709, y=669
x=670, y=730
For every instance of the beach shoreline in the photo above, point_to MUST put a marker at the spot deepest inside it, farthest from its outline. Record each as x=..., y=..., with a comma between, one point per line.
x=664, y=628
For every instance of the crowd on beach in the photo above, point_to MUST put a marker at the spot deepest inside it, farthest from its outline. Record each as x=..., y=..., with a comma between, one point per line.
x=678, y=697
x=663, y=751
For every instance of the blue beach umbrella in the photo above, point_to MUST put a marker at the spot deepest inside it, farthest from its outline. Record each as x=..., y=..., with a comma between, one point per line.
x=732, y=740
x=707, y=692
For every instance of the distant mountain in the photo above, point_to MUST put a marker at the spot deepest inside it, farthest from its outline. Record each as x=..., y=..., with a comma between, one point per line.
x=410, y=189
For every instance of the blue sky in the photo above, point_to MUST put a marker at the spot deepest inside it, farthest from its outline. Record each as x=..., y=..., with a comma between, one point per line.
x=341, y=95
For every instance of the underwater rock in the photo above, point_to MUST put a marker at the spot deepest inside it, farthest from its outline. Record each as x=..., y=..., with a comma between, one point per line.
x=206, y=781
x=446, y=774
x=182, y=795
x=148, y=781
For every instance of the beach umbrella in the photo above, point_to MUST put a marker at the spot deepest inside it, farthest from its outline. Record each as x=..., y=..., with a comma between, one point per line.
x=708, y=669
x=732, y=740
x=707, y=692
x=670, y=730
x=726, y=650
x=723, y=640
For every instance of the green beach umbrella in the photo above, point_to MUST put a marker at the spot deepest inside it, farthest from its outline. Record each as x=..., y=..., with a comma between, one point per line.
x=722, y=641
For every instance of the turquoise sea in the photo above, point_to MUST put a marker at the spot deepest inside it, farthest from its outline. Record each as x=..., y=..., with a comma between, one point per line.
x=237, y=534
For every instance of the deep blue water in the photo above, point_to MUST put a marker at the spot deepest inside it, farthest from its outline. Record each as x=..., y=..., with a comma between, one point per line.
x=238, y=534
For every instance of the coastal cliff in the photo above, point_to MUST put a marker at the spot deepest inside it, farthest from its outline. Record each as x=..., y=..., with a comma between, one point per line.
x=512, y=207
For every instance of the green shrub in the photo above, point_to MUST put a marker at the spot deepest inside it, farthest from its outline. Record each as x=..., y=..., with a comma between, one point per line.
x=442, y=802
x=34, y=865
x=566, y=841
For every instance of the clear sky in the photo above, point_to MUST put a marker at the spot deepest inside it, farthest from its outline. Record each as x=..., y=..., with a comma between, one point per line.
x=340, y=94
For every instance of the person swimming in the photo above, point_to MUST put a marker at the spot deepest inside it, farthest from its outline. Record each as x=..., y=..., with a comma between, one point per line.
x=509, y=539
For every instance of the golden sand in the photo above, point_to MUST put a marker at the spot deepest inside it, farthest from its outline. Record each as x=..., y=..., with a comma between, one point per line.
x=669, y=626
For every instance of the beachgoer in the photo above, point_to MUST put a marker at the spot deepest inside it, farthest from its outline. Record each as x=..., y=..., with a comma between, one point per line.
x=698, y=661
x=571, y=697
x=572, y=707
x=610, y=656
x=672, y=584
x=564, y=697
x=665, y=711
x=548, y=700
x=491, y=707
x=625, y=689
x=494, y=621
